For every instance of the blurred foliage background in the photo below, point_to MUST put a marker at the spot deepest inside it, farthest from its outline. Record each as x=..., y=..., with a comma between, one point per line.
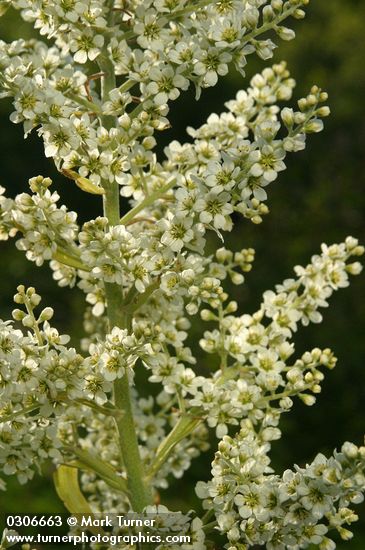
x=320, y=198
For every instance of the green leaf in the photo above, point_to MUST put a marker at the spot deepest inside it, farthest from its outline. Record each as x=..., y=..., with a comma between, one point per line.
x=4, y=6
x=68, y=489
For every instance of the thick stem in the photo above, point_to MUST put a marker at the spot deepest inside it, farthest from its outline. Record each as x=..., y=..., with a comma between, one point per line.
x=139, y=493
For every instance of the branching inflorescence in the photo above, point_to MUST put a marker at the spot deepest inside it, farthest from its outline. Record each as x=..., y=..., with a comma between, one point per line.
x=97, y=96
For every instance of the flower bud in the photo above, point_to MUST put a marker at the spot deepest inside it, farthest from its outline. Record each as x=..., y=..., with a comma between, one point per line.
x=207, y=315
x=277, y=5
x=251, y=17
x=35, y=299
x=18, y=314
x=307, y=399
x=237, y=278
x=28, y=321
x=287, y=116
x=285, y=34
x=323, y=111
x=314, y=126
x=46, y=314
x=354, y=268
x=223, y=255
x=268, y=14
x=231, y=307
x=299, y=14
x=349, y=449
x=302, y=104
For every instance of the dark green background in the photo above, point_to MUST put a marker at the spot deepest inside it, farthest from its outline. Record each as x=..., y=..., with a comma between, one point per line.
x=320, y=198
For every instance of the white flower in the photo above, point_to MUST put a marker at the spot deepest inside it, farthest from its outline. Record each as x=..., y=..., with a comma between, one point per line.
x=215, y=208
x=212, y=63
x=86, y=46
x=176, y=232
x=165, y=84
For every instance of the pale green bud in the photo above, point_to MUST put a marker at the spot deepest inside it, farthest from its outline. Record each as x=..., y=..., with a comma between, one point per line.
x=270, y=434
x=323, y=111
x=191, y=308
x=314, y=126
x=307, y=399
x=251, y=17
x=285, y=34
x=312, y=99
x=286, y=403
x=188, y=276
x=358, y=251
x=35, y=299
x=350, y=450
x=237, y=278
x=28, y=321
x=36, y=184
x=207, y=315
x=231, y=307
x=345, y=534
x=223, y=255
x=268, y=14
x=308, y=377
x=19, y=298
x=299, y=14
x=354, y=269
x=316, y=354
x=149, y=142
x=299, y=118
x=277, y=5
x=287, y=116
x=18, y=314
x=46, y=314
x=302, y=104
x=327, y=544
x=125, y=121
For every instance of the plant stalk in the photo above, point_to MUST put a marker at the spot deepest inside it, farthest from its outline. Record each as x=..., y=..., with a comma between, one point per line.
x=140, y=495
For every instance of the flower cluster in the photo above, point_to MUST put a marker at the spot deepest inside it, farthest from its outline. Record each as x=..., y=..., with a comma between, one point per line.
x=97, y=96
x=158, y=50
x=38, y=374
x=254, y=506
x=254, y=370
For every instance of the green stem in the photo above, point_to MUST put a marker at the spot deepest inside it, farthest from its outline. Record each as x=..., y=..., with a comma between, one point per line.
x=106, y=411
x=127, y=85
x=147, y=201
x=140, y=495
x=63, y=257
x=138, y=301
x=26, y=410
x=35, y=326
x=209, y=526
x=90, y=106
x=271, y=24
x=184, y=427
x=208, y=514
x=105, y=471
x=290, y=393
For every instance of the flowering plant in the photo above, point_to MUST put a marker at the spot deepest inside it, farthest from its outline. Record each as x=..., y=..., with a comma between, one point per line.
x=97, y=96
